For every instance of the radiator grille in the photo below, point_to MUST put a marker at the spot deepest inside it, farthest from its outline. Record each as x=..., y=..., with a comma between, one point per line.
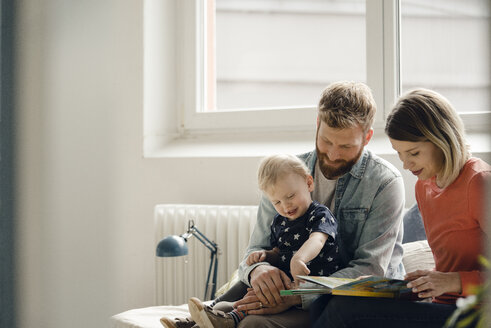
x=179, y=278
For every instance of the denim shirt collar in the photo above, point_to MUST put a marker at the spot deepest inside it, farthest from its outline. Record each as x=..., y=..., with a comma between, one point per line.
x=357, y=171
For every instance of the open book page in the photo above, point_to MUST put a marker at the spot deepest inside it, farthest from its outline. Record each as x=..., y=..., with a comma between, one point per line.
x=369, y=287
x=316, y=285
x=330, y=282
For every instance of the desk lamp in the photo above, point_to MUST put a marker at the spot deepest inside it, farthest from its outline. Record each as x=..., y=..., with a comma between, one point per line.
x=174, y=245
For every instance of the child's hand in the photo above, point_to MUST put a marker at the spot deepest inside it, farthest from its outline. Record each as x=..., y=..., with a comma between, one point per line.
x=256, y=257
x=298, y=267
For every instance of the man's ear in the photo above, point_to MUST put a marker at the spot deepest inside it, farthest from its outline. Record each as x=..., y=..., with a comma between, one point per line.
x=368, y=137
x=310, y=183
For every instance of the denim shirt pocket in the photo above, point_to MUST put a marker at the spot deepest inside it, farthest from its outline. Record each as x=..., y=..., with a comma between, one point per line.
x=351, y=225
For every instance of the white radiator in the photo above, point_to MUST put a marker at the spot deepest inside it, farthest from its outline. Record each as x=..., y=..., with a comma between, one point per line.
x=179, y=278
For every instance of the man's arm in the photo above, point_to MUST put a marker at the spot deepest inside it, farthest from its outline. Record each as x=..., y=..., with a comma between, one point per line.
x=260, y=238
x=266, y=279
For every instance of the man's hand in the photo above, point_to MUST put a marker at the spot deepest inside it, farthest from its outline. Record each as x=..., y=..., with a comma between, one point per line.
x=433, y=283
x=267, y=281
x=251, y=304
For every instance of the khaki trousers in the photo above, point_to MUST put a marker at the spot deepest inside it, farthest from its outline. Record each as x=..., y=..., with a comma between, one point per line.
x=292, y=318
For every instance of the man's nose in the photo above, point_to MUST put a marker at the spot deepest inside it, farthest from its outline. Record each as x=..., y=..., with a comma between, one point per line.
x=333, y=155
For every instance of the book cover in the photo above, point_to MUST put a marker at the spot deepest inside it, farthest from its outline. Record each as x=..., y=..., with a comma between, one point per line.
x=368, y=287
x=377, y=287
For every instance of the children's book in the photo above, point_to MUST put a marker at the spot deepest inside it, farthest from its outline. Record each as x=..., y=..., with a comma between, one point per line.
x=369, y=287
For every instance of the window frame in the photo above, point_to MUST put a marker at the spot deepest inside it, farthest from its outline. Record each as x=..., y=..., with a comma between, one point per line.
x=173, y=111
x=383, y=74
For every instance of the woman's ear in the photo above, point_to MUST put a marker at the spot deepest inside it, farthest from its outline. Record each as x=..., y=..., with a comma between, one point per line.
x=310, y=183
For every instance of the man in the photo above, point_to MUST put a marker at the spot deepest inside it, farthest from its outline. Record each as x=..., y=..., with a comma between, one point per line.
x=365, y=193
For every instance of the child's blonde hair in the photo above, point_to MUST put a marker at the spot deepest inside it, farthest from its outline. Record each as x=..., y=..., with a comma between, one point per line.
x=274, y=167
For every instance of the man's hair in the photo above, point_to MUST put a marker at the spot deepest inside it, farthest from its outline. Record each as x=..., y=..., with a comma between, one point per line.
x=345, y=104
x=424, y=115
x=275, y=167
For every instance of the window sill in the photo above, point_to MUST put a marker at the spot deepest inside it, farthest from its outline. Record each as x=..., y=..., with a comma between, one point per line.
x=233, y=145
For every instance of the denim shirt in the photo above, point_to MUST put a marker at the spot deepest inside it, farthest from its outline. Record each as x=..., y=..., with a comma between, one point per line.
x=368, y=205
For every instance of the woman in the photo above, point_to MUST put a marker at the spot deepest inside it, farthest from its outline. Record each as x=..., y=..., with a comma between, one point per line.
x=428, y=136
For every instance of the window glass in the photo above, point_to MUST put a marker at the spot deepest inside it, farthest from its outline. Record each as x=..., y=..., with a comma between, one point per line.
x=282, y=53
x=445, y=46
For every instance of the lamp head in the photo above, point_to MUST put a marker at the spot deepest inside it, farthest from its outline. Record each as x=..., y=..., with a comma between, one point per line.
x=172, y=246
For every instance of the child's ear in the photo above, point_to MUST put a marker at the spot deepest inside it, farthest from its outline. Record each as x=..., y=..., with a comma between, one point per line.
x=310, y=183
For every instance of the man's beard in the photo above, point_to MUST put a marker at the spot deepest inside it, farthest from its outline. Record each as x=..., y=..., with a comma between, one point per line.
x=330, y=169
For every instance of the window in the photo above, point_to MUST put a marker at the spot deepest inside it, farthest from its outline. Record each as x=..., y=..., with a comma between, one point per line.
x=445, y=47
x=279, y=54
x=381, y=73
x=269, y=100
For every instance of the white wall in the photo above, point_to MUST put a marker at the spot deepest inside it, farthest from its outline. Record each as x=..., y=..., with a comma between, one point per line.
x=85, y=194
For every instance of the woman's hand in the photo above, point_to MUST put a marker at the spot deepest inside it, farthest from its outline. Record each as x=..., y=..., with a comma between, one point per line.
x=433, y=283
x=251, y=304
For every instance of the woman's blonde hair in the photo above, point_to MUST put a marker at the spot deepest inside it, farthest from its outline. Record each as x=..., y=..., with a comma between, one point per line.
x=425, y=115
x=345, y=104
x=273, y=168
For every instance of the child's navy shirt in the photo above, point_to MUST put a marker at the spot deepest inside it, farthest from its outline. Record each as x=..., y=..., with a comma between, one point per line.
x=289, y=236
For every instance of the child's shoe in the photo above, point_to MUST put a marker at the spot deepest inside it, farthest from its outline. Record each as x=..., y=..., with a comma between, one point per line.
x=178, y=322
x=206, y=317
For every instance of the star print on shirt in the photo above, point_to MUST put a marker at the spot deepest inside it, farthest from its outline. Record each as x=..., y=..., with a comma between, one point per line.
x=289, y=236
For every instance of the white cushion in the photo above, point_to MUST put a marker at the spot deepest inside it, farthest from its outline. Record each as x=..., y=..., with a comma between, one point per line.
x=417, y=256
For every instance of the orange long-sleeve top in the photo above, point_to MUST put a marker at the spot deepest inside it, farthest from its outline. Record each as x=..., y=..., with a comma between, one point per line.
x=454, y=220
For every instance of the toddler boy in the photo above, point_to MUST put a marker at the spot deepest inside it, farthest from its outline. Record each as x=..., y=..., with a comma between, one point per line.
x=303, y=233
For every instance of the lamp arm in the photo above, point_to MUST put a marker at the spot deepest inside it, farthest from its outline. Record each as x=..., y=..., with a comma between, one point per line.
x=213, y=247
x=212, y=270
